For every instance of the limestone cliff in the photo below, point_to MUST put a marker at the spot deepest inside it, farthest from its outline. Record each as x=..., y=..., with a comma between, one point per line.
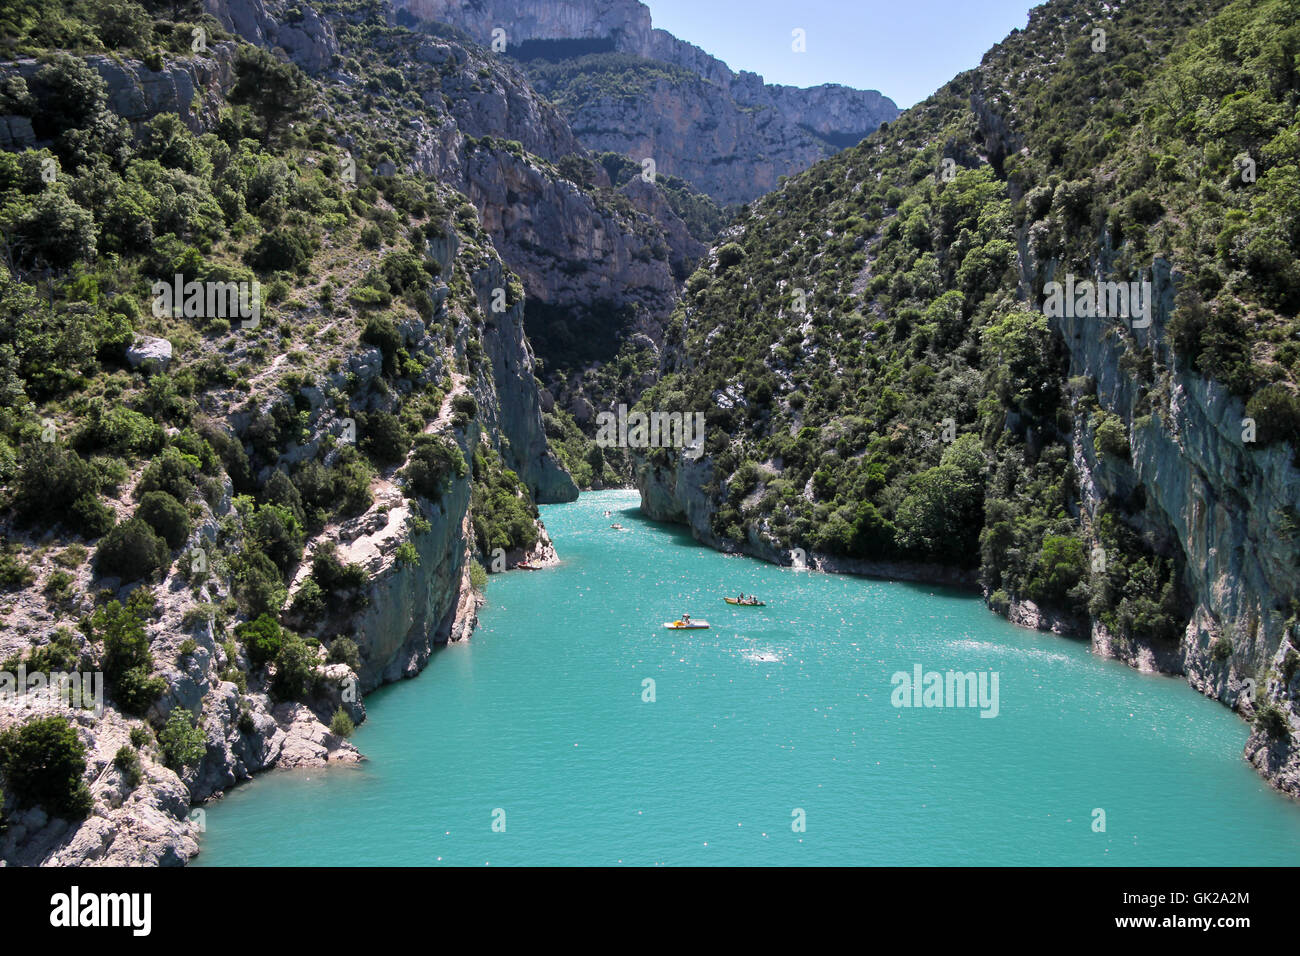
x=728, y=133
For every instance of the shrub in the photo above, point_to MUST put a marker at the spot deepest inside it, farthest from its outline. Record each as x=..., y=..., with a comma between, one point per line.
x=731, y=254
x=121, y=430
x=433, y=463
x=14, y=571
x=140, y=736
x=165, y=515
x=1109, y=435
x=128, y=761
x=384, y=438
x=91, y=517
x=131, y=551
x=277, y=534
x=407, y=556
x=1060, y=566
x=295, y=668
x=171, y=472
x=465, y=405
x=333, y=576
x=309, y=602
x=262, y=639
x=1273, y=721
x=61, y=654
x=182, y=742
x=281, y=249
x=257, y=583
x=42, y=762
x=477, y=577
x=1277, y=415
x=127, y=661
x=51, y=479
x=341, y=724
x=344, y=650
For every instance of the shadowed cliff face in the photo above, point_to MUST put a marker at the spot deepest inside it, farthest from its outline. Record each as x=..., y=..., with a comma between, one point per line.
x=730, y=134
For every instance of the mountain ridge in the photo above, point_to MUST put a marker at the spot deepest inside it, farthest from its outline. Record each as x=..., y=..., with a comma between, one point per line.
x=794, y=126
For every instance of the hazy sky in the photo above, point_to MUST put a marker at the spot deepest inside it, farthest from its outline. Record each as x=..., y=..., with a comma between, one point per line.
x=906, y=48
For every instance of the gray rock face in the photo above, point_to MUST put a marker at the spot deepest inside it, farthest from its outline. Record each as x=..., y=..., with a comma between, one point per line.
x=137, y=93
x=149, y=353
x=1220, y=500
x=16, y=133
x=516, y=414
x=729, y=133
x=298, y=29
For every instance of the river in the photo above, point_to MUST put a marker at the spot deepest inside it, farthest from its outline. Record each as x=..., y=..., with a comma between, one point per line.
x=772, y=738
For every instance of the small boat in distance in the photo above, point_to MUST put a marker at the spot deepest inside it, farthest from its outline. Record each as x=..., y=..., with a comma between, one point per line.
x=745, y=603
x=527, y=566
x=687, y=625
x=618, y=527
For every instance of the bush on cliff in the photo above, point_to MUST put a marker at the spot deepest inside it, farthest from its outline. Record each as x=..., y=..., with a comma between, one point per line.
x=166, y=516
x=1276, y=412
x=344, y=650
x=132, y=551
x=262, y=639
x=182, y=741
x=127, y=660
x=295, y=669
x=434, y=462
x=42, y=762
x=1061, y=564
x=341, y=724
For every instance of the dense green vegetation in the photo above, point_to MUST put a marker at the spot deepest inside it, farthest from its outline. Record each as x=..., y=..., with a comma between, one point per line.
x=504, y=517
x=41, y=762
x=213, y=477
x=878, y=378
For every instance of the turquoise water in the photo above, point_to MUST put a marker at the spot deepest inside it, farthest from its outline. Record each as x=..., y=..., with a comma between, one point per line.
x=773, y=710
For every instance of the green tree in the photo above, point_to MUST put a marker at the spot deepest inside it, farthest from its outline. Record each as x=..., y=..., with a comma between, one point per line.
x=132, y=551
x=277, y=92
x=127, y=660
x=42, y=762
x=182, y=741
x=262, y=639
x=166, y=516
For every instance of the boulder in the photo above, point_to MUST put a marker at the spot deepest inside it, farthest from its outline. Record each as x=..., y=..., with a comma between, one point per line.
x=150, y=354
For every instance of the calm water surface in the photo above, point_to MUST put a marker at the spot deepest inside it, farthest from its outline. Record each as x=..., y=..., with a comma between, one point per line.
x=539, y=721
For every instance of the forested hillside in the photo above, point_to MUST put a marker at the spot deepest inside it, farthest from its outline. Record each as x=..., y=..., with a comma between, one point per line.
x=886, y=389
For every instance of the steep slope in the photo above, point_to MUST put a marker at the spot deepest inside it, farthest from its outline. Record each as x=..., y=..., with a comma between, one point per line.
x=642, y=92
x=247, y=504
x=893, y=385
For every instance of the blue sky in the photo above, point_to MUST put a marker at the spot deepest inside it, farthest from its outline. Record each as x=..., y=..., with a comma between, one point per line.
x=906, y=48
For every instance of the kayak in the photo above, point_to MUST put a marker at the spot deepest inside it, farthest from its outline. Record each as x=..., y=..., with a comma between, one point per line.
x=739, y=603
x=693, y=626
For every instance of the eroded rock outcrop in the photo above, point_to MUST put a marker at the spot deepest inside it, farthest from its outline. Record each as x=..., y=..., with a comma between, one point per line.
x=297, y=29
x=728, y=133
